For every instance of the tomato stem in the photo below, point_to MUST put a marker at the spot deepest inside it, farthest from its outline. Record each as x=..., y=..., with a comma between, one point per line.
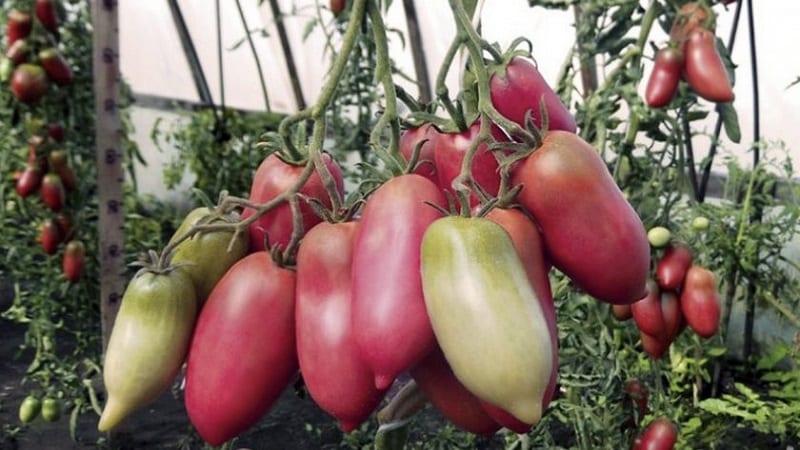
x=384, y=74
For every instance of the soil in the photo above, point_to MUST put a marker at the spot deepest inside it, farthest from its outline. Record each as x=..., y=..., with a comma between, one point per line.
x=293, y=423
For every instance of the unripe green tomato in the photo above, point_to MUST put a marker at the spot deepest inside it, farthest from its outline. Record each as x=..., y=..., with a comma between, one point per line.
x=29, y=409
x=658, y=236
x=51, y=409
x=700, y=223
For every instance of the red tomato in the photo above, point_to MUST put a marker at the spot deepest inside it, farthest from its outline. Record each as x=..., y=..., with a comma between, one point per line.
x=272, y=178
x=647, y=312
x=56, y=67
x=50, y=236
x=664, y=79
x=28, y=83
x=655, y=346
x=18, y=26
x=521, y=88
x=336, y=377
x=505, y=418
x=243, y=353
x=426, y=162
x=390, y=320
x=45, y=11
x=56, y=131
x=74, y=260
x=700, y=301
x=52, y=191
x=621, y=312
x=436, y=379
x=661, y=434
x=337, y=6
x=705, y=71
x=673, y=318
x=637, y=395
x=30, y=180
x=672, y=266
x=449, y=153
x=590, y=231
x=18, y=52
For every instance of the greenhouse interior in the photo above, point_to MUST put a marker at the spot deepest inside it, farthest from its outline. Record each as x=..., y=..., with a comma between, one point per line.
x=206, y=246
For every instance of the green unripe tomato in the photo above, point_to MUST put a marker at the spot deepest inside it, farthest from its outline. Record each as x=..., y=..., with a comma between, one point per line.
x=51, y=409
x=29, y=409
x=658, y=236
x=700, y=223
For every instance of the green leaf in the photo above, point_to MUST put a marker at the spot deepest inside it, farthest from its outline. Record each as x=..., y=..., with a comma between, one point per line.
x=716, y=351
x=730, y=119
x=773, y=357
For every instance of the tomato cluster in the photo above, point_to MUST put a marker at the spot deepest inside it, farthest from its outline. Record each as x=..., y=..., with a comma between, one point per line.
x=31, y=62
x=682, y=293
x=691, y=54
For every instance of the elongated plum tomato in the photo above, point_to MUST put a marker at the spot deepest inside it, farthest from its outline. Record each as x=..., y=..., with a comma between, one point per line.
x=333, y=372
x=672, y=266
x=661, y=434
x=148, y=342
x=423, y=136
x=271, y=179
x=521, y=88
x=705, y=71
x=460, y=406
x=243, y=353
x=496, y=314
x=647, y=311
x=205, y=256
x=74, y=260
x=390, y=322
x=700, y=301
x=449, y=153
x=590, y=231
x=664, y=78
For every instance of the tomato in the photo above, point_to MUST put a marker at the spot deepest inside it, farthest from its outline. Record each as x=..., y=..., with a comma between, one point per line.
x=56, y=131
x=449, y=152
x=590, y=231
x=53, y=192
x=672, y=266
x=18, y=52
x=661, y=434
x=673, y=318
x=336, y=377
x=50, y=236
x=65, y=225
x=58, y=163
x=271, y=179
x=28, y=83
x=647, y=311
x=700, y=301
x=621, y=312
x=425, y=137
x=18, y=26
x=74, y=260
x=148, y=342
x=655, y=346
x=30, y=180
x=337, y=6
x=705, y=71
x=496, y=314
x=690, y=16
x=658, y=236
x=637, y=394
x=205, y=257
x=56, y=67
x=520, y=88
x=243, y=353
x=700, y=223
x=29, y=409
x=664, y=78
x=436, y=379
x=51, y=409
x=390, y=322
x=45, y=11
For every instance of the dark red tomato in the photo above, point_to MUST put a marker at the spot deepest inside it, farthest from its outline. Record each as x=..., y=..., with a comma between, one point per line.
x=672, y=266
x=336, y=377
x=664, y=79
x=19, y=51
x=60, y=165
x=700, y=301
x=74, y=261
x=28, y=83
x=45, y=11
x=390, y=320
x=621, y=312
x=449, y=152
x=18, y=26
x=689, y=17
x=56, y=67
x=436, y=379
x=50, y=236
x=590, y=231
x=272, y=178
x=56, y=131
x=30, y=180
x=425, y=136
x=65, y=224
x=647, y=312
x=655, y=346
x=661, y=434
x=243, y=353
x=705, y=71
x=337, y=6
x=673, y=318
x=637, y=395
x=529, y=245
x=52, y=191
x=520, y=89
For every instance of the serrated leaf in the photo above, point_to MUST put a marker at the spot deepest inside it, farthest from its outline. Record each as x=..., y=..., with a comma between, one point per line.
x=730, y=120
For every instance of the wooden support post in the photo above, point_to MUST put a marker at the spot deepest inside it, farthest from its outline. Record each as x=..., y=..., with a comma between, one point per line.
x=109, y=155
